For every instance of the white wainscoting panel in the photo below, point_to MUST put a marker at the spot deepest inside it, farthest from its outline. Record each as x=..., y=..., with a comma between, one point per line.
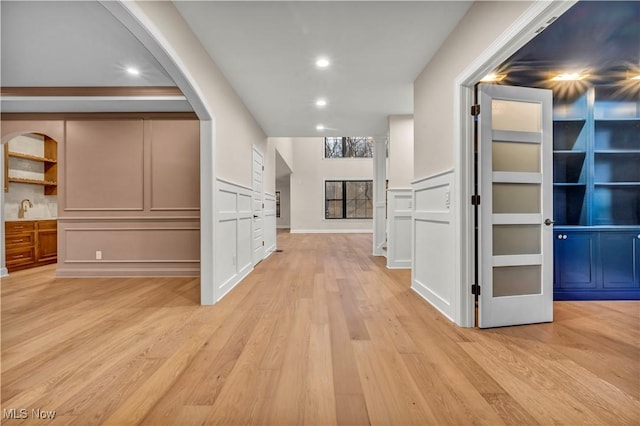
x=399, y=213
x=269, y=224
x=233, y=234
x=433, y=271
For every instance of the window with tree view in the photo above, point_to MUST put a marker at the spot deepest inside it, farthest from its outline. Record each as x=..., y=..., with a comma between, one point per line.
x=348, y=199
x=348, y=147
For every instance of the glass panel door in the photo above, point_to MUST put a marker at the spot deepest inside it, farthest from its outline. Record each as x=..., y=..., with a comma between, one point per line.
x=515, y=165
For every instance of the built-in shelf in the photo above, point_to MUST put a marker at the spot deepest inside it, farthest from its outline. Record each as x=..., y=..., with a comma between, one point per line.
x=31, y=157
x=568, y=152
x=618, y=151
x=31, y=181
x=568, y=184
x=617, y=183
x=49, y=159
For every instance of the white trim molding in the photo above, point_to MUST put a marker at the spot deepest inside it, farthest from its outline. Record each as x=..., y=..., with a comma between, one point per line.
x=434, y=261
x=331, y=231
x=399, y=228
x=234, y=244
x=269, y=224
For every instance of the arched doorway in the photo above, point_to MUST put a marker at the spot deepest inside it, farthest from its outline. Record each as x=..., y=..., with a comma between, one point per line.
x=29, y=190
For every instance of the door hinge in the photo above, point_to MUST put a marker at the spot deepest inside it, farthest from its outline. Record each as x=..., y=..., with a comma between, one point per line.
x=263, y=205
x=263, y=244
x=475, y=289
x=475, y=200
x=263, y=168
x=475, y=110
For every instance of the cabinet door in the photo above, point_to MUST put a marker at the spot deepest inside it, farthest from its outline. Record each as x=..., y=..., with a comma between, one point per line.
x=47, y=245
x=575, y=260
x=638, y=259
x=619, y=268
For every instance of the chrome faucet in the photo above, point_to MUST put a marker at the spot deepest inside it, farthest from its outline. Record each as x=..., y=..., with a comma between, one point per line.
x=23, y=209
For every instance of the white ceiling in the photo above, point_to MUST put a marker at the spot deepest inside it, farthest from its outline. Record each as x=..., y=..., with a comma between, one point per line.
x=266, y=49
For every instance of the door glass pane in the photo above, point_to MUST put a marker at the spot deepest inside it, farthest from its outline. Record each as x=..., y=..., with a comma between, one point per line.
x=516, y=280
x=516, y=198
x=516, y=115
x=516, y=239
x=516, y=157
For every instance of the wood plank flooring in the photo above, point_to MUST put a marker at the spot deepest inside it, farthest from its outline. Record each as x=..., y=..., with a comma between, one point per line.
x=319, y=334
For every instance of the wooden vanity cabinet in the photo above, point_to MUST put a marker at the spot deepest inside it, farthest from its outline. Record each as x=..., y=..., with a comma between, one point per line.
x=30, y=243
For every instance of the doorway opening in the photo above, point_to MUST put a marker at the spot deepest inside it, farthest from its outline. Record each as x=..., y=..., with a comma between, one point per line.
x=30, y=207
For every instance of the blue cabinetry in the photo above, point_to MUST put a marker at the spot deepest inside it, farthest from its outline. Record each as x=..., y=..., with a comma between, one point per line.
x=597, y=195
x=575, y=260
x=596, y=264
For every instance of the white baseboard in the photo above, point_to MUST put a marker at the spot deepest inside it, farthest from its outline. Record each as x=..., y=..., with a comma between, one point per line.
x=400, y=265
x=331, y=231
x=283, y=227
x=237, y=280
x=4, y=272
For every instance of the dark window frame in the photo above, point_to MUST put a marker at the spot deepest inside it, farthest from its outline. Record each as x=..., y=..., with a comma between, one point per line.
x=349, y=147
x=344, y=198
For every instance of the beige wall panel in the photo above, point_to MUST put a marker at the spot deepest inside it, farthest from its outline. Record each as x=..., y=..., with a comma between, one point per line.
x=175, y=164
x=104, y=165
x=133, y=244
x=52, y=128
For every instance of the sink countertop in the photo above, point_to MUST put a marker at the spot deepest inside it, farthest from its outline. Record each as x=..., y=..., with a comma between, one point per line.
x=26, y=219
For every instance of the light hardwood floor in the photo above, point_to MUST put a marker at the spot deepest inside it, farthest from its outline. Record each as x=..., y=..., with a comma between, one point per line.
x=321, y=333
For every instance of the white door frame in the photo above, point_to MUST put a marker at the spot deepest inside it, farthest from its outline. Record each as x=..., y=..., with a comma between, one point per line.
x=538, y=16
x=255, y=260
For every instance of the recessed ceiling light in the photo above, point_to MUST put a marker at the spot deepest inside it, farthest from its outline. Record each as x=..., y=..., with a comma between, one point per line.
x=319, y=127
x=133, y=71
x=321, y=102
x=573, y=76
x=322, y=62
x=493, y=77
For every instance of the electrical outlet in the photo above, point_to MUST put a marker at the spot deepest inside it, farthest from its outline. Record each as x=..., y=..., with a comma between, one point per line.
x=98, y=255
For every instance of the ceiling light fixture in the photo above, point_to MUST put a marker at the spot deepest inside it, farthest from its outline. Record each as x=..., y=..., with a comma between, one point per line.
x=493, y=77
x=637, y=77
x=133, y=71
x=574, y=76
x=319, y=127
x=322, y=62
x=321, y=103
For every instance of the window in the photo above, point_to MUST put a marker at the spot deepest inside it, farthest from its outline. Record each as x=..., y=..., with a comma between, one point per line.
x=348, y=199
x=348, y=147
x=277, y=203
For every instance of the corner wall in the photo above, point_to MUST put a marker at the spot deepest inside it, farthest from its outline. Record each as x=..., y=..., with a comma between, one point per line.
x=399, y=201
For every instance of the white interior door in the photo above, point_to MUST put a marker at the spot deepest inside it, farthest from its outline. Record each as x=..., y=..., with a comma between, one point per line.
x=515, y=230
x=257, y=230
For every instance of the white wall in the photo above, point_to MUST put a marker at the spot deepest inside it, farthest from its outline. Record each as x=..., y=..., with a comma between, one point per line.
x=439, y=270
x=400, y=169
x=400, y=175
x=236, y=130
x=284, y=186
x=307, y=187
x=433, y=91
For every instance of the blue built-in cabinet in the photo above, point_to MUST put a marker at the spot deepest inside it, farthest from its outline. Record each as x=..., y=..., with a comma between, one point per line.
x=597, y=194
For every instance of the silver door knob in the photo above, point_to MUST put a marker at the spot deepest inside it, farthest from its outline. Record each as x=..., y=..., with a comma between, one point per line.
x=548, y=222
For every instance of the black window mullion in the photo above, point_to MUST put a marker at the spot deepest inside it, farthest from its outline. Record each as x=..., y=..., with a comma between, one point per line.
x=344, y=199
